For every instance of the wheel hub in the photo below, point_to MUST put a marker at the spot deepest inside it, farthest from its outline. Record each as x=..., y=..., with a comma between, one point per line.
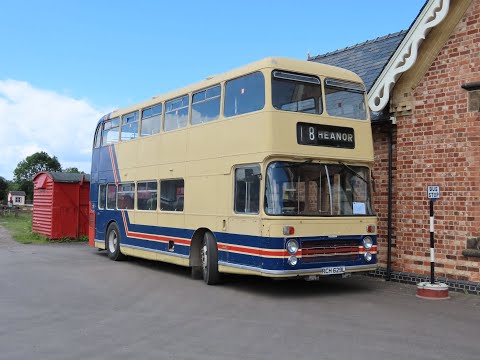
x=204, y=256
x=112, y=241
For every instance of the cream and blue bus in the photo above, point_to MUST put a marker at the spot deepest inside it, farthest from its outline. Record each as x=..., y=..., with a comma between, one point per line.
x=263, y=170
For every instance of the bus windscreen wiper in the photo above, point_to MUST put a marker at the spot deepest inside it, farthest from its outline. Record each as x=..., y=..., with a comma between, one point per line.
x=354, y=173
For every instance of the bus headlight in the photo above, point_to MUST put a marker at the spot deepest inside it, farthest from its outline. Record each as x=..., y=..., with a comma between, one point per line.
x=367, y=242
x=292, y=246
x=368, y=256
x=292, y=260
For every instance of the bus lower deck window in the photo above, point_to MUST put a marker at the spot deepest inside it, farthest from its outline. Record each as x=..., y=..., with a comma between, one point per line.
x=147, y=195
x=172, y=195
x=111, y=196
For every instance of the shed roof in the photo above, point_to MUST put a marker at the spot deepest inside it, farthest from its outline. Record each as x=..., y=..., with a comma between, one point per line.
x=64, y=177
x=18, y=193
x=366, y=59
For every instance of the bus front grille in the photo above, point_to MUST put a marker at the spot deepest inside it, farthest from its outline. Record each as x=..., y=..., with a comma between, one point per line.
x=320, y=251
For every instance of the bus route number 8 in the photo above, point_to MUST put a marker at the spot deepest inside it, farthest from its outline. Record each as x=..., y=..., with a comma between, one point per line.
x=311, y=133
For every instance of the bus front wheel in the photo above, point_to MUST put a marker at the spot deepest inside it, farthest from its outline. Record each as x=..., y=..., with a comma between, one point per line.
x=113, y=243
x=209, y=257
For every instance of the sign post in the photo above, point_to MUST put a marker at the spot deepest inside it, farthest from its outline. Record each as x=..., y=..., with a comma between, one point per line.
x=432, y=290
x=433, y=193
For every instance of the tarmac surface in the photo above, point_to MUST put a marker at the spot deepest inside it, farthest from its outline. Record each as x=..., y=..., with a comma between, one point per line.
x=69, y=301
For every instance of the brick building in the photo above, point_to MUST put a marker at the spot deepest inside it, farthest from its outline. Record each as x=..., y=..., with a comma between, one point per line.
x=424, y=94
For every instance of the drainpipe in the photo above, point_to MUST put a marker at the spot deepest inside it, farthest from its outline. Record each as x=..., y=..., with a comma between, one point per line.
x=390, y=191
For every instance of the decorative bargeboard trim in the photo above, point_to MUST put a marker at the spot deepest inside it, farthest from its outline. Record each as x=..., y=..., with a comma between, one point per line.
x=406, y=54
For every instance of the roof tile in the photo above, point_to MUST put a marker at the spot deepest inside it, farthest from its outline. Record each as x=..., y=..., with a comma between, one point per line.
x=366, y=59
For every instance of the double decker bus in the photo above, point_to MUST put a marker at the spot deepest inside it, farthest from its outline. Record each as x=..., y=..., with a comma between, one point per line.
x=264, y=170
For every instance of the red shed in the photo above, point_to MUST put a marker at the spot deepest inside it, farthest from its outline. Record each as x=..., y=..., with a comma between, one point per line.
x=60, y=204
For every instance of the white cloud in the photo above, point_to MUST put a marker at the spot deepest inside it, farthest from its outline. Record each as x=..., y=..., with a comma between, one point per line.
x=35, y=119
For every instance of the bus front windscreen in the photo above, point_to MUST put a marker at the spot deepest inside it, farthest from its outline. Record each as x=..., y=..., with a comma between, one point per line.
x=312, y=189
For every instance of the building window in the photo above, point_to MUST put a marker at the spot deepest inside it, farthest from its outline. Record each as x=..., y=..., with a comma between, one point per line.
x=110, y=131
x=147, y=195
x=171, y=195
x=245, y=94
x=111, y=196
x=151, y=119
x=247, y=189
x=176, y=113
x=129, y=126
x=206, y=105
x=101, y=196
x=126, y=196
x=18, y=199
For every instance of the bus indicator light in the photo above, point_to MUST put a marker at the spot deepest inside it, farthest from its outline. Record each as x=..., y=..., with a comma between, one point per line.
x=288, y=230
x=370, y=229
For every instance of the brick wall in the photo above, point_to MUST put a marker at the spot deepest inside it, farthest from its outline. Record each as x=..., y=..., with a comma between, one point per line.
x=438, y=144
x=380, y=198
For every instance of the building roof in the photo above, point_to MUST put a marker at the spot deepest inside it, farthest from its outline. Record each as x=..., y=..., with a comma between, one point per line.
x=432, y=13
x=64, y=177
x=366, y=59
x=18, y=193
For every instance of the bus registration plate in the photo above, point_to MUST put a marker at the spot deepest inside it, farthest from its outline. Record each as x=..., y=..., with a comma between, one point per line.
x=332, y=270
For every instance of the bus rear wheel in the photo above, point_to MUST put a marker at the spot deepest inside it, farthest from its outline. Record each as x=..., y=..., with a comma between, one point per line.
x=113, y=243
x=209, y=257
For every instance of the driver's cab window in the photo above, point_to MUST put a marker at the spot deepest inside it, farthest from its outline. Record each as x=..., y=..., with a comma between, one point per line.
x=247, y=189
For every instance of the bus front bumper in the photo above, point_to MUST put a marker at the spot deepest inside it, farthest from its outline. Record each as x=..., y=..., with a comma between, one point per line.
x=321, y=271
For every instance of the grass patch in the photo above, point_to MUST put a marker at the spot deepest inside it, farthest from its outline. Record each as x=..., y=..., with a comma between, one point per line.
x=21, y=229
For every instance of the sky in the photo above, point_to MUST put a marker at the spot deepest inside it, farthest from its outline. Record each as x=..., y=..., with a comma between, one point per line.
x=64, y=64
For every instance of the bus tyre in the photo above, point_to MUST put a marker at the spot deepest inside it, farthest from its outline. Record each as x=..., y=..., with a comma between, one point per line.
x=197, y=272
x=209, y=257
x=113, y=243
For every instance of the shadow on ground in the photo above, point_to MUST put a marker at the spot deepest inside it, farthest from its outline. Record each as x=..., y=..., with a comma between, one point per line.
x=278, y=288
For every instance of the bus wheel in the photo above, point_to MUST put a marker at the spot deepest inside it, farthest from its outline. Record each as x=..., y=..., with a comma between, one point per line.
x=113, y=243
x=209, y=257
x=197, y=272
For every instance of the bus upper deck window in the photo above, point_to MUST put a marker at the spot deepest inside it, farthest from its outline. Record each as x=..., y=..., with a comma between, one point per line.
x=151, y=119
x=245, y=94
x=206, y=105
x=98, y=136
x=110, y=131
x=296, y=92
x=345, y=99
x=176, y=113
x=129, y=126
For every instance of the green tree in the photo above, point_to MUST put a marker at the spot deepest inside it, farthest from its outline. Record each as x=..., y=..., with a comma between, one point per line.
x=33, y=164
x=73, y=170
x=3, y=189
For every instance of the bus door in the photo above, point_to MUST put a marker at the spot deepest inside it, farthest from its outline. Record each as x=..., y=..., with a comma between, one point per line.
x=245, y=224
x=101, y=208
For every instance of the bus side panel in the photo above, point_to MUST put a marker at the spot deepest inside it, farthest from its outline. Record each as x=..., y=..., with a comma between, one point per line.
x=167, y=240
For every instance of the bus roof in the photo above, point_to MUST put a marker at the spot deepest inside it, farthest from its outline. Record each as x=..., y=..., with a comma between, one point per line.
x=304, y=66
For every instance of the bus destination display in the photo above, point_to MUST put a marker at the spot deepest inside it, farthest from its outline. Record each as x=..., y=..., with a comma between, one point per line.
x=325, y=135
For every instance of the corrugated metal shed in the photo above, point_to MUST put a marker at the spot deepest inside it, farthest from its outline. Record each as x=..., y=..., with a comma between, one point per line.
x=60, y=204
